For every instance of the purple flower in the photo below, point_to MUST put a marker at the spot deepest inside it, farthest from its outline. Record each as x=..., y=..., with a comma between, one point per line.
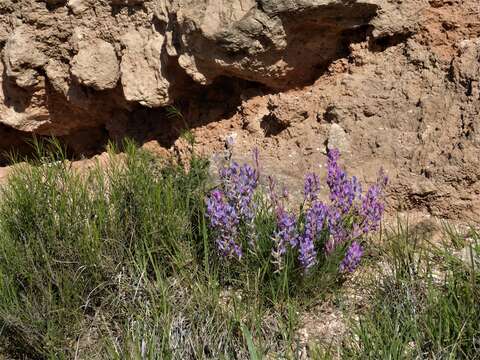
x=314, y=222
x=232, y=204
x=239, y=184
x=337, y=230
x=352, y=258
x=311, y=187
x=307, y=252
x=286, y=224
x=343, y=191
x=286, y=232
x=224, y=220
x=256, y=161
x=350, y=214
x=372, y=206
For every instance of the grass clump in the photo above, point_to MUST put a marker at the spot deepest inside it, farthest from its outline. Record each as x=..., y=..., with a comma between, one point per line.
x=118, y=262
x=71, y=243
x=425, y=305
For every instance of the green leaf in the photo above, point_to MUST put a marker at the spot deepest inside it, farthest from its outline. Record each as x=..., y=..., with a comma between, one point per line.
x=252, y=350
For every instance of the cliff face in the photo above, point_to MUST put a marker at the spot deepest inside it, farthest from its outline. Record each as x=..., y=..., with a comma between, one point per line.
x=391, y=83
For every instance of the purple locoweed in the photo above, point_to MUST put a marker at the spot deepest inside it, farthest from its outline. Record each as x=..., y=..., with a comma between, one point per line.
x=343, y=191
x=352, y=258
x=315, y=217
x=231, y=204
x=373, y=207
x=239, y=183
x=311, y=187
x=224, y=220
x=286, y=229
x=318, y=227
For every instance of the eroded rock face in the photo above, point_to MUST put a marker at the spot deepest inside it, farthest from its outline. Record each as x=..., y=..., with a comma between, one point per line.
x=392, y=83
x=466, y=66
x=78, y=47
x=265, y=41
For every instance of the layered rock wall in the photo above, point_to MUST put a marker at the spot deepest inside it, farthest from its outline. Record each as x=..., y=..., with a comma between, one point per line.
x=391, y=83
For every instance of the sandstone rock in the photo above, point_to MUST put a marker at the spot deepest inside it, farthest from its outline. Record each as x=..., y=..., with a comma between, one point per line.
x=96, y=65
x=142, y=69
x=78, y=6
x=58, y=75
x=3, y=174
x=21, y=109
x=338, y=139
x=397, y=18
x=263, y=43
x=22, y=58
x=56, y=2
x=126, y=2
x=466, y=66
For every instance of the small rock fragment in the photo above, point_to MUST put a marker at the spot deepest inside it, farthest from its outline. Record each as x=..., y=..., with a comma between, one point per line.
x=338, y=139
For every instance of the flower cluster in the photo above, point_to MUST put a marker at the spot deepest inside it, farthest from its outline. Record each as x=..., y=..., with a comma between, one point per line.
x=349, y=216
x=232, y=204
x=286, y=233
x=352, y=258
x=238, y=183
x=311, y=187
x=224, y=219
x=315, y=217
x=372, y=208
x=343, y=191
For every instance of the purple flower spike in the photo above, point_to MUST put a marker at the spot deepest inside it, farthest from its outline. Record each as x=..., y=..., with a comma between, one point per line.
x=311, y=187
x=314, y=222
x=352, y=258
x=343, y=191
x=308, y=254
x=232, y=204
x=239, y=184
x=286, y=233
x=256, y=161
x=224, y=220
x=372, y=207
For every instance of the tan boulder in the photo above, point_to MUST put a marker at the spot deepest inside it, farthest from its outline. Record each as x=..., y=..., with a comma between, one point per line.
x=96, y=65
x=78, y=6
x=142, y=70
x=22, y=110
x=22, y=58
